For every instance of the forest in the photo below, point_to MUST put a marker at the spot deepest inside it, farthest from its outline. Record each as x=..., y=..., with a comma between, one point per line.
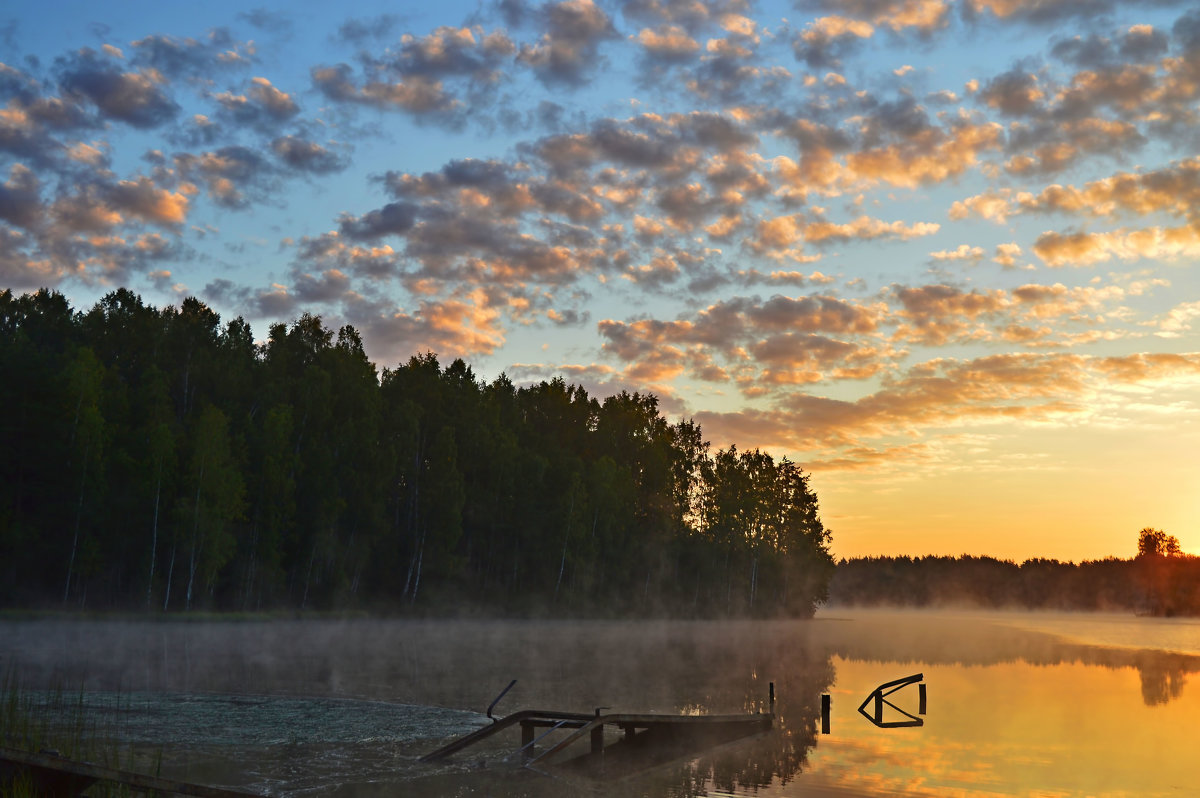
x=155, y=458
x=1161, y=580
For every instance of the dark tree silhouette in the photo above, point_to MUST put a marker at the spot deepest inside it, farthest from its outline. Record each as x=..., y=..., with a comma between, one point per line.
x=157, y=457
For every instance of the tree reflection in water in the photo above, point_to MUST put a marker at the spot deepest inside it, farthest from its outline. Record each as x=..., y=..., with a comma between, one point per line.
x=1162, y=682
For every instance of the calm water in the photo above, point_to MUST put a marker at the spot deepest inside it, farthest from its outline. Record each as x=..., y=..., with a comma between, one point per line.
x=1030, y=705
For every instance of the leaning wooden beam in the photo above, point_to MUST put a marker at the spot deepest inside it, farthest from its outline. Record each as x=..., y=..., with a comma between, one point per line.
x=50, y=769
x=595, y=724
x=499, y=725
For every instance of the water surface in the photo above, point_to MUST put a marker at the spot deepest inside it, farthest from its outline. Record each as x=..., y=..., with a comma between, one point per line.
x=1025, y=705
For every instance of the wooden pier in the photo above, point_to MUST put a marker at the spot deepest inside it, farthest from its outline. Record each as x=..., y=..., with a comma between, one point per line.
x=639, y=732
x=52, y=776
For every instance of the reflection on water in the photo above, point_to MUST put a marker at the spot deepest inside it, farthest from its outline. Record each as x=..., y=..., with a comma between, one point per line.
x=1013, y=729
x=347, y=708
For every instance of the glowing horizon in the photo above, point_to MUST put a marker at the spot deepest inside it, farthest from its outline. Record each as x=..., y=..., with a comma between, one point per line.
x=939, y=252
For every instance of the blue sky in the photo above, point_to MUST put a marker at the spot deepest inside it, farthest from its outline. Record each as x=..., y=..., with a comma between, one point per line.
x=940, y=252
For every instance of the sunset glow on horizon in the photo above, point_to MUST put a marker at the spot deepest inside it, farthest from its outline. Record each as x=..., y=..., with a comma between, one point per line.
x=941, y=253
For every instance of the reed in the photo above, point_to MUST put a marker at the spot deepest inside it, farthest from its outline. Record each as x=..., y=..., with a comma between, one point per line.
x=74, y=724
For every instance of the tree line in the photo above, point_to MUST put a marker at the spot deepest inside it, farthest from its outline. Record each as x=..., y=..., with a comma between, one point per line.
x=155, y=457
x=1160, y=580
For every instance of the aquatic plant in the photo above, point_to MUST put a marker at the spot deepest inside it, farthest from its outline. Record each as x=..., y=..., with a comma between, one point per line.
x=71, y=723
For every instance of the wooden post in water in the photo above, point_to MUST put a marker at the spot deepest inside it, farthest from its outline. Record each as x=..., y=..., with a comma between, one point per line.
x=825, y=702
x=598, y=734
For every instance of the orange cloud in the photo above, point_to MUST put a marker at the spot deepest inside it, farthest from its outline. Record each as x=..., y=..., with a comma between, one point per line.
x=670, y=42
x=866, y=228
x=935, y=394
x=934, y=314
x=930, y=157
x=455, y=327
x=961, y=252
x=1149, y=366
x=1085, y=249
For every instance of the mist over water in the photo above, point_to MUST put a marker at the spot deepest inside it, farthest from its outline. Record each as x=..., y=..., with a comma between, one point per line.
x=327, y=707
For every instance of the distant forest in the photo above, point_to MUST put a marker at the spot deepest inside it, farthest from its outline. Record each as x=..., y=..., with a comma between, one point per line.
x=1160, y=580
x=155, y=458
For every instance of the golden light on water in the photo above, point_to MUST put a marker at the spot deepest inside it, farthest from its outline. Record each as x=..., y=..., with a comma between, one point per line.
x=1016, y=729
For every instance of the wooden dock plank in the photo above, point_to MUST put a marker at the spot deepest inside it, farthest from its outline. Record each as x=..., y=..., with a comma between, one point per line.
x=628, y=721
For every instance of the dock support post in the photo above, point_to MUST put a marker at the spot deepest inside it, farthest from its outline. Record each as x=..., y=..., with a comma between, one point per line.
x=825, y=702
x=921, y=707
x=598, y=739
x=526, y=734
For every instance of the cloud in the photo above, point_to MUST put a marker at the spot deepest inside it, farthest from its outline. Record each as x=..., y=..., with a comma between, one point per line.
x=692, y=15
x=1007, y=254
x=668, y=44
x=20, y=269
x=329, y=286
x=358, y=31
x=144, y=200
x=233, y=175
x=935, y=314
x=865, y=228
x=395, y=218
x=263, y=105
x=1138, y=44
x=1145, y=367
x=936, y=395
x=927, y=156
x=827, y=40
x=1040, y=11
x=1043, y=302
x=417, y=95
x=450, y=52
x=782, y=341
x=1172, y=190
x=1082, y=248
x=994, y=206
x=961, y=252
x=898, y=16
x=191, y=58
x=20, y=197
x=135, y=98
x=568, y=51
x=777, y=236
x=1014, y=93
x=662, y=270
x=98, y=206
x=334, y=252
x=1178, y=320
x=28, y=127
x=304, y=155
x=458, y=327
x=277, y=22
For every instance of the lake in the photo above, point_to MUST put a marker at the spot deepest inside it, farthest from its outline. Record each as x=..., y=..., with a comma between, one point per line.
x=1017, y=704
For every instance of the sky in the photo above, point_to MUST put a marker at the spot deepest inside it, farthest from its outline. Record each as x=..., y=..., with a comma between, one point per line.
x=941, y=253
